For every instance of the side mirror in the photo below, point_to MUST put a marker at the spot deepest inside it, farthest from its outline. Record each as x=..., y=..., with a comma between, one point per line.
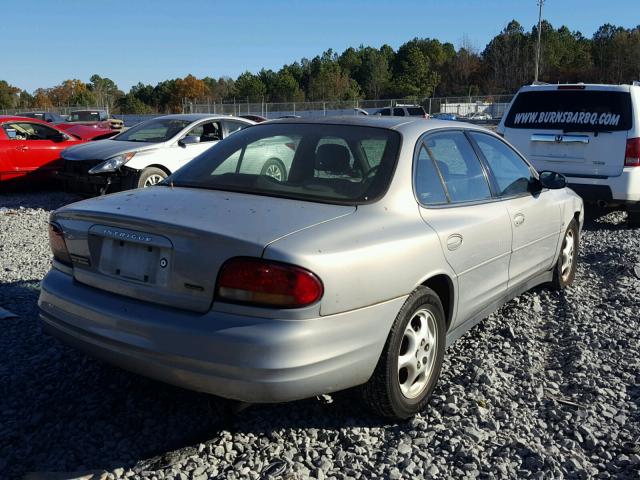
x=59, y=137
x=552, y=180
x=188, y=140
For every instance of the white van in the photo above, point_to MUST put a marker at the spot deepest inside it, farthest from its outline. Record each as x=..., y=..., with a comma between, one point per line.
x=590, y=133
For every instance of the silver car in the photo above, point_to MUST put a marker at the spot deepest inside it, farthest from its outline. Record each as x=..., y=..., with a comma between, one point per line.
x=387, y=240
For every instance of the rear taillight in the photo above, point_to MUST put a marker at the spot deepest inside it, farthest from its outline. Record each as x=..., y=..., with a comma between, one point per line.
x=262, y=282
x=632, y=153
x=291, y=145
x=57, y=244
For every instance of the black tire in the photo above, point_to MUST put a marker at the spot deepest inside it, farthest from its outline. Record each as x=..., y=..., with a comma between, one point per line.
x=633, y=217
x=275, y=169
x=382, y=393
x=149, y=174
x=560, y=280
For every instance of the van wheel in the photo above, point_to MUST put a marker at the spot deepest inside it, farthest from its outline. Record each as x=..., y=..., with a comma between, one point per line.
x=565, y=270
x=410, y=364
x=150, y=176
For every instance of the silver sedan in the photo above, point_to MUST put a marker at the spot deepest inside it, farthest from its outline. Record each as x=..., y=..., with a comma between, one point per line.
x=386, y=240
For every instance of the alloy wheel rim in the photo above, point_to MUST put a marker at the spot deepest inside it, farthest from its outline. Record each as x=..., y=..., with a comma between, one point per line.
x=417, y=354
x=274, y=171
x=153, y=180
x=567, y=255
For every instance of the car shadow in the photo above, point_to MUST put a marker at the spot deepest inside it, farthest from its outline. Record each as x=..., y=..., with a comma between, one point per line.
x=47, y=197
x=63, y=411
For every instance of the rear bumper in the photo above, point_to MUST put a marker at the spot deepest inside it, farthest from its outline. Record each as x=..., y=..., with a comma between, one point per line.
x=621, y=190
x=250, y=359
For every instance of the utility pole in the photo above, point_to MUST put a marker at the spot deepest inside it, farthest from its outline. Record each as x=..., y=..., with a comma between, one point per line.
x=540, y=4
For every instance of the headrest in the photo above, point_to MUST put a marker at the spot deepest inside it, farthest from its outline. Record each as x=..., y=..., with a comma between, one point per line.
x=333, y=158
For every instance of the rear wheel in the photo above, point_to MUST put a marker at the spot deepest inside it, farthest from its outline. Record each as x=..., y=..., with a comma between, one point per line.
x=150, y=176
x=410, y=363
x=565, y=269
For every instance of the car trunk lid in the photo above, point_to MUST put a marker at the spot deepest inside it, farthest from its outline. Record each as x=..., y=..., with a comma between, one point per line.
x=166, y=245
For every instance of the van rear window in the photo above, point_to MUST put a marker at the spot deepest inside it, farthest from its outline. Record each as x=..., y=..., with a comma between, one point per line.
x=571, y=110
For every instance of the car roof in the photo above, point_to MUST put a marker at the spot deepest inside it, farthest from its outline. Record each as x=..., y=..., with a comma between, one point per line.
x=401, y=124
x=11, y=118
x=193, y=117
x=579, y=86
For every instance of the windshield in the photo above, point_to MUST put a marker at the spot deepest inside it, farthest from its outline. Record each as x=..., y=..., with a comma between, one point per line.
x=153, y=131
x=571, y=110
x=83, y=117
x=330, y=163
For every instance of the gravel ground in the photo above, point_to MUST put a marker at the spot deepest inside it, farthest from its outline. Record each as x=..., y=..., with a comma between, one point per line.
x=545, y=388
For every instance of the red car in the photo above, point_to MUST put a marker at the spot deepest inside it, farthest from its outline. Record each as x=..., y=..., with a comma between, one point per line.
x=92, y=118
x=30, y=148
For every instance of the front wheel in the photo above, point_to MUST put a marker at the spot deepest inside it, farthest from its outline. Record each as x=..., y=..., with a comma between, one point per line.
x=410, y=363
x=150, y=176
x=275, y=169
x=565, y=269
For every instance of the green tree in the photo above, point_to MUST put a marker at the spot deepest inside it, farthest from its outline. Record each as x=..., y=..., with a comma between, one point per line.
x=249, y=87
x=414, y=76
x=129, y=103
x=8, y=95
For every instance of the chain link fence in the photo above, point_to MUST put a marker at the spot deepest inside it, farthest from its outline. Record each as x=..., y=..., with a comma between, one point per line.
x=492, y=107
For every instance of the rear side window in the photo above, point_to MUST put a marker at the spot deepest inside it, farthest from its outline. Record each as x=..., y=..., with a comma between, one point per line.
x=398, y=112
x=571, y=110
x=428, y=185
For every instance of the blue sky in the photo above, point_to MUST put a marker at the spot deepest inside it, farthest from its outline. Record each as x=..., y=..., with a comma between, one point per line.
x=152, y=40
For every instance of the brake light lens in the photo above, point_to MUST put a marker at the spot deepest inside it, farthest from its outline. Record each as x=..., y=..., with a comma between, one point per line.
x=262, y=282
x=57, y=244
x=632, y=153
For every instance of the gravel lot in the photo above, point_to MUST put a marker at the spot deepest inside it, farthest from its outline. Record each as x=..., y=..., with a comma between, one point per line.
x=545, y=388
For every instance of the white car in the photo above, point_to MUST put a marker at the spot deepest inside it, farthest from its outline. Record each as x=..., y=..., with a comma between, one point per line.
x=479, y=116
x=146, y=153
x=589, y=133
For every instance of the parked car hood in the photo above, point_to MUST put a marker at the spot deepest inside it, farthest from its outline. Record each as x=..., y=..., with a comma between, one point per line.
x=103, y=149
x=90, y=133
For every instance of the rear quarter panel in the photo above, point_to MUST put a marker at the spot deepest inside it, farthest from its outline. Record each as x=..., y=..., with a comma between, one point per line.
x=374, y=255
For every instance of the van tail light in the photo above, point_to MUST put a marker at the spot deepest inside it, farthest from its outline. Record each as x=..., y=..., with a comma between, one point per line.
x=291, y=145
x=58, y=245
x=262, y=282
x=632, y=154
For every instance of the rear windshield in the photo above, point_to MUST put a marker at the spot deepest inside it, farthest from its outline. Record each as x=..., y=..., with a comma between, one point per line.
x=571, y=110
x=327, y=163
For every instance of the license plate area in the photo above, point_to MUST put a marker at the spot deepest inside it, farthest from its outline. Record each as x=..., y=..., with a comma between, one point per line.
x=130, y=255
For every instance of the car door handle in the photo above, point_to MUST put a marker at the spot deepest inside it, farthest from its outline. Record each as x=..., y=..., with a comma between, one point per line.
x=454, y=241
x=518, y=219
x=22, y=147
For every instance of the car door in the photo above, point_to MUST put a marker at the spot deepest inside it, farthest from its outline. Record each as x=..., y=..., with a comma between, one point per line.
x=34, y=147
x=455, y=198
x=535, y=217
x=209, y=133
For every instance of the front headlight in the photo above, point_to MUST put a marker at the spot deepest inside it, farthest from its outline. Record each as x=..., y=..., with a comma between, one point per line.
x=113, y=163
